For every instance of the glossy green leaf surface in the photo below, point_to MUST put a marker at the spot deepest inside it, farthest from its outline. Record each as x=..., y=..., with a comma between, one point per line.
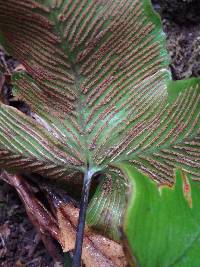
x=162, y=223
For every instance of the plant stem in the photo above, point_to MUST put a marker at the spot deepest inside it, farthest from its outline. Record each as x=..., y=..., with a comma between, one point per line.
x=81, y=220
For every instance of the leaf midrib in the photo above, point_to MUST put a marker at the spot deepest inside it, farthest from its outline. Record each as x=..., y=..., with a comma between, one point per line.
x=80, y=103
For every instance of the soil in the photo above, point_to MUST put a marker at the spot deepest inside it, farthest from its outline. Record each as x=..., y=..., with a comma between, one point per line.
x=20, y=244
x=183, y=12
x=181, y=23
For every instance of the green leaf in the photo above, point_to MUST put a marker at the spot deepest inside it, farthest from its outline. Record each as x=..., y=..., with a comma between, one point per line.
x=99, y=85
x=24, y=147
x=106, y=208
x=162, y=223
x=96, y=71
x=100, y=92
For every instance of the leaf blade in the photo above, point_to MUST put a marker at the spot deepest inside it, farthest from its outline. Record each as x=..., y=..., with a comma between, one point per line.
x=25, y=144
x=163, y=234
x=106, y=208
x=81, y=74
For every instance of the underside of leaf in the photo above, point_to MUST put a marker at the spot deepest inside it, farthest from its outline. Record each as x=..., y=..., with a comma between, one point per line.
x=98, y=72
x=100, y=93
x=97, y=79
x=106, y=208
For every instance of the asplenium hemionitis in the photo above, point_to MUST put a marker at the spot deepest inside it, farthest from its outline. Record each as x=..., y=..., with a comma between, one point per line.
x=101, y=96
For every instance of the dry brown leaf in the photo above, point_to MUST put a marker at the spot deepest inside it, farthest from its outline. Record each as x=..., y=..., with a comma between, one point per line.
x=38, y=214
x=98, y=250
